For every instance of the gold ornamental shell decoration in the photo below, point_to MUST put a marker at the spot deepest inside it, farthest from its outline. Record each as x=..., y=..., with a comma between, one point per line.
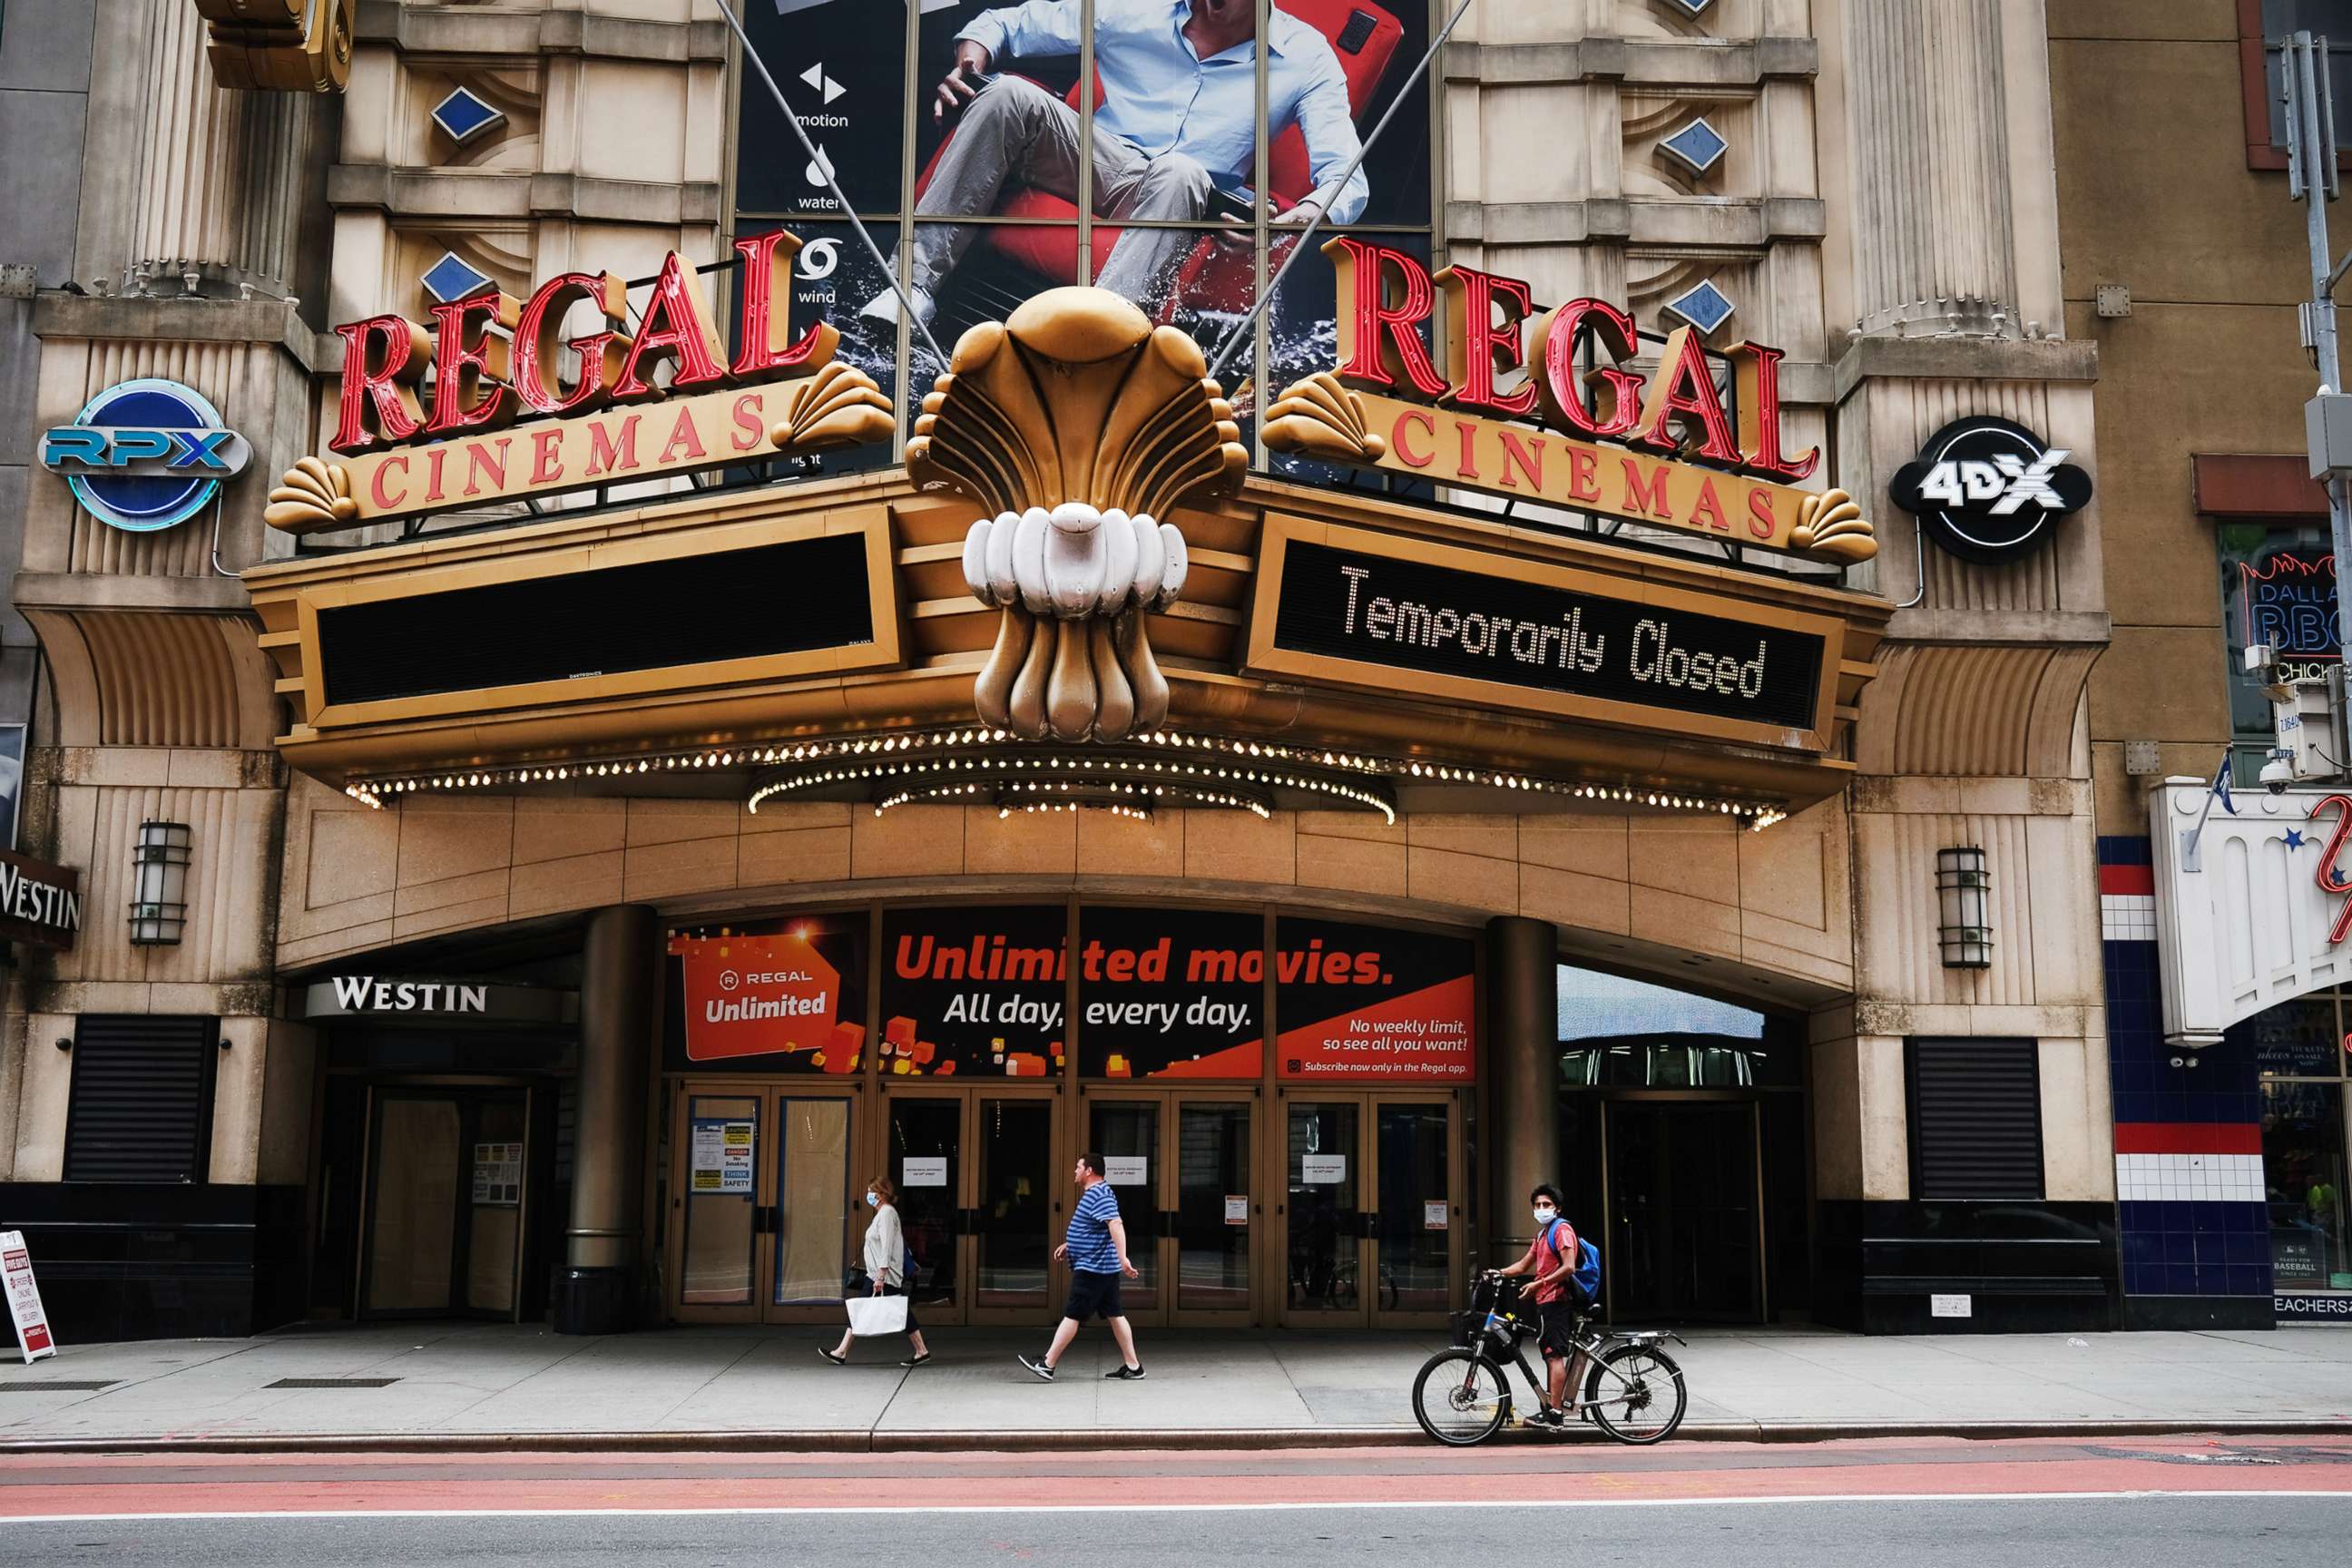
x=1831, y=525
x=840, y=406
x=313, y=495
x=1318, y=416
x=1077, y=425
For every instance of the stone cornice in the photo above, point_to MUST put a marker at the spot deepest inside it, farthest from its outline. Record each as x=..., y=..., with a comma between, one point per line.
x=165, y=318
x=444, y=193
x=1695, y=63
x=560, y=29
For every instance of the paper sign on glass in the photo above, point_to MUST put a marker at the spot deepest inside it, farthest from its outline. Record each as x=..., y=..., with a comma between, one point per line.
x=1432, y=1215
x=1236, y=1209
x=924, y=1171
x=1126, y=1170
x=1322, y=1170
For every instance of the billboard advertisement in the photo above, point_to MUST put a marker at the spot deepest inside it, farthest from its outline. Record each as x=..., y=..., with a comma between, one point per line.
x=783, y=998
x=1168, y=993
x=1357, y=1001
x=973, y=990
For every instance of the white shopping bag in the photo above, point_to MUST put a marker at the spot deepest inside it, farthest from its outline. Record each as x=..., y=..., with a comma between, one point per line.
x=877, y=1315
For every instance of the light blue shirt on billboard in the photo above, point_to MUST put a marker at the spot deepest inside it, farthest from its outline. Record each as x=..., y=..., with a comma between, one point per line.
x=1159, y=97
x=1091, y=1248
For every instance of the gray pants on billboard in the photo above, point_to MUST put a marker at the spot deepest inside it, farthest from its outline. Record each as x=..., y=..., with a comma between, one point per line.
x=1017, y=133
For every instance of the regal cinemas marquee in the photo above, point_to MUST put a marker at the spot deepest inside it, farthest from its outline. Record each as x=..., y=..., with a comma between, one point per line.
x=1086, y=780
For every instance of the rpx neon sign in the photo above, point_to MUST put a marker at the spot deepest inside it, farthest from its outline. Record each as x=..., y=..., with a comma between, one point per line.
x=145, y=454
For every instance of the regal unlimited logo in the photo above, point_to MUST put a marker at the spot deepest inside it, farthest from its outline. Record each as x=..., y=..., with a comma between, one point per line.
x=1990, y=489
x=144, y=455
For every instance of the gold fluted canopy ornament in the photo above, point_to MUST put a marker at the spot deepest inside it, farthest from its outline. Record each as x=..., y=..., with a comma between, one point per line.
x=1078, y=425
x=1831, y=525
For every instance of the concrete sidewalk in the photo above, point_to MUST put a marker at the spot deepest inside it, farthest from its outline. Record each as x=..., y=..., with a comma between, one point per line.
x=481, y=1385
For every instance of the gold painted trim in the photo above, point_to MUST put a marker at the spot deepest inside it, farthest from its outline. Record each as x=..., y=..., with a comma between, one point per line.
x=1263, y=657
x=884, y=653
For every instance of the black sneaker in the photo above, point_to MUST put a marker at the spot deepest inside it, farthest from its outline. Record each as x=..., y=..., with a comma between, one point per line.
x=1125, y=1373
x=1549, y=1418
x=1038, y=1367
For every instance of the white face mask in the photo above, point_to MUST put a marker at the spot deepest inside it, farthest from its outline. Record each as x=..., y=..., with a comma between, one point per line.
x=1545, y=1215
x=874, y=1200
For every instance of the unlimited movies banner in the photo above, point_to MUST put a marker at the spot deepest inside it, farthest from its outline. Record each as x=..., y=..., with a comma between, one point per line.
x=1368, y=1002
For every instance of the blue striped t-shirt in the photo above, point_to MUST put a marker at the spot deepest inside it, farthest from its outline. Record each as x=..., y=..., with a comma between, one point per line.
x=1091, y=1251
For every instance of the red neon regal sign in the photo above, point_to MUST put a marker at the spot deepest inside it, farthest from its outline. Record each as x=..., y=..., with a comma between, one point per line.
x=1663, y=449
x=499, y=421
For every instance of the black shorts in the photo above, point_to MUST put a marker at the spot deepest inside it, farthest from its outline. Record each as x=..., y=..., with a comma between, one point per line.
x=1557, y=1319
x=1093, y=1296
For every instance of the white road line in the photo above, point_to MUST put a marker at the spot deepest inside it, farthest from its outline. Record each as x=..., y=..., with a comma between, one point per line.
x=924, y=1512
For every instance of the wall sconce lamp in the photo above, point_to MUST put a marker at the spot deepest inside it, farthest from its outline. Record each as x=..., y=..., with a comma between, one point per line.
x=1963, y=900
x=159, y=889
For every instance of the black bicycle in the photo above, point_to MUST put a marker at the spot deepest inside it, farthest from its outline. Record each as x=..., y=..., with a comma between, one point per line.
x=1633, y=1392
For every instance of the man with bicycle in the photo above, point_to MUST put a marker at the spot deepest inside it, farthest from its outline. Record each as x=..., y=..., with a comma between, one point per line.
x=1550, y=1262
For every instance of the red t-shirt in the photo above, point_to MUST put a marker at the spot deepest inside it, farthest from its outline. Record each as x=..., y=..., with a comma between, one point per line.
x=1547, y=1261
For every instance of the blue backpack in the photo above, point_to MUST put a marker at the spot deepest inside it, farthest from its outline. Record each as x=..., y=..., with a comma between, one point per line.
x=1586, y=1278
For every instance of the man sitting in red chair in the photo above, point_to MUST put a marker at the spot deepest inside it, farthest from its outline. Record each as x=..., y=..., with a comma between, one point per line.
x=1175, y=130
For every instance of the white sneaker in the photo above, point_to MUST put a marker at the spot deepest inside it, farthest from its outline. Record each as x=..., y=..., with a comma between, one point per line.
x=884, y=307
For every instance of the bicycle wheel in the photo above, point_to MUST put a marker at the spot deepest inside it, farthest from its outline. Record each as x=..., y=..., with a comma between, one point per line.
x=1636, y=1393
x=1461, y=1397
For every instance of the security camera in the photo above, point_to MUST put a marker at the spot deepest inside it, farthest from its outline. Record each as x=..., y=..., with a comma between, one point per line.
x=2278, y=772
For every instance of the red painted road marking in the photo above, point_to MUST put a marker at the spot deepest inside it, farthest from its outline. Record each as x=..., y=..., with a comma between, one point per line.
x=185, y=1484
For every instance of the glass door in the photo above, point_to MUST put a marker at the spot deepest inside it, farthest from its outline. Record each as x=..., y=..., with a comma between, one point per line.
x=715, y=1210
x=1020, y=1197
x=1684, y=1231
x=763, y=1189
x=1324, y=1234
x=1128, y=1134
x=1180, y=1165
x=1416, y=1218
x=811, y=1242
x=924, y=1134
x=1215, y=1211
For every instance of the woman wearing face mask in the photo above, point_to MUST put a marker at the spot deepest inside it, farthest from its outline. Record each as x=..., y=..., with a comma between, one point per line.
x=886, y=1254
x=1550, y=1258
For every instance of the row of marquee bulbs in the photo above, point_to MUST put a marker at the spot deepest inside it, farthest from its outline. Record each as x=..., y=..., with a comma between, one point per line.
x=1091, y=801
x=374, y=793
x=1189, y=776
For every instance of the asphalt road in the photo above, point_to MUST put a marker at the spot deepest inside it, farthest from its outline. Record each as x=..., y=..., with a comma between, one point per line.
x=2098, y=1533
x=1878, y=1503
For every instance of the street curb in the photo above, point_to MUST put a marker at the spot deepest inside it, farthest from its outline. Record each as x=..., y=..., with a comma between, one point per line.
x=1194, y=1439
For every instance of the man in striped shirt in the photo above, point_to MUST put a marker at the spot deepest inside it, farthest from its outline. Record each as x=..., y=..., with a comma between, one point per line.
x=1096, y=1248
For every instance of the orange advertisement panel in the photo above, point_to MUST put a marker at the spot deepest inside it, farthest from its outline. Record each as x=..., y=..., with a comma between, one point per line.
x=1367, y=1004
x=787, y=1000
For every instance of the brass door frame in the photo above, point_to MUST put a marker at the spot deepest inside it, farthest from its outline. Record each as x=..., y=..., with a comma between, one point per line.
x=1166, y=1190
x=1368, y=1311
x=1061, y=1192
x=768, y=1094
x=1384, y=1317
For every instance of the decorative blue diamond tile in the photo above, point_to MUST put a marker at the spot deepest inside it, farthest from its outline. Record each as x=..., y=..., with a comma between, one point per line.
x=1705, y=307
x=1694, y=8
x=1698, y=146
x=465, y=116
x=450, y=280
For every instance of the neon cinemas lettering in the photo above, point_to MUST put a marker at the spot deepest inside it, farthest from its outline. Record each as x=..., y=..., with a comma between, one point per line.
x=1387, y=300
